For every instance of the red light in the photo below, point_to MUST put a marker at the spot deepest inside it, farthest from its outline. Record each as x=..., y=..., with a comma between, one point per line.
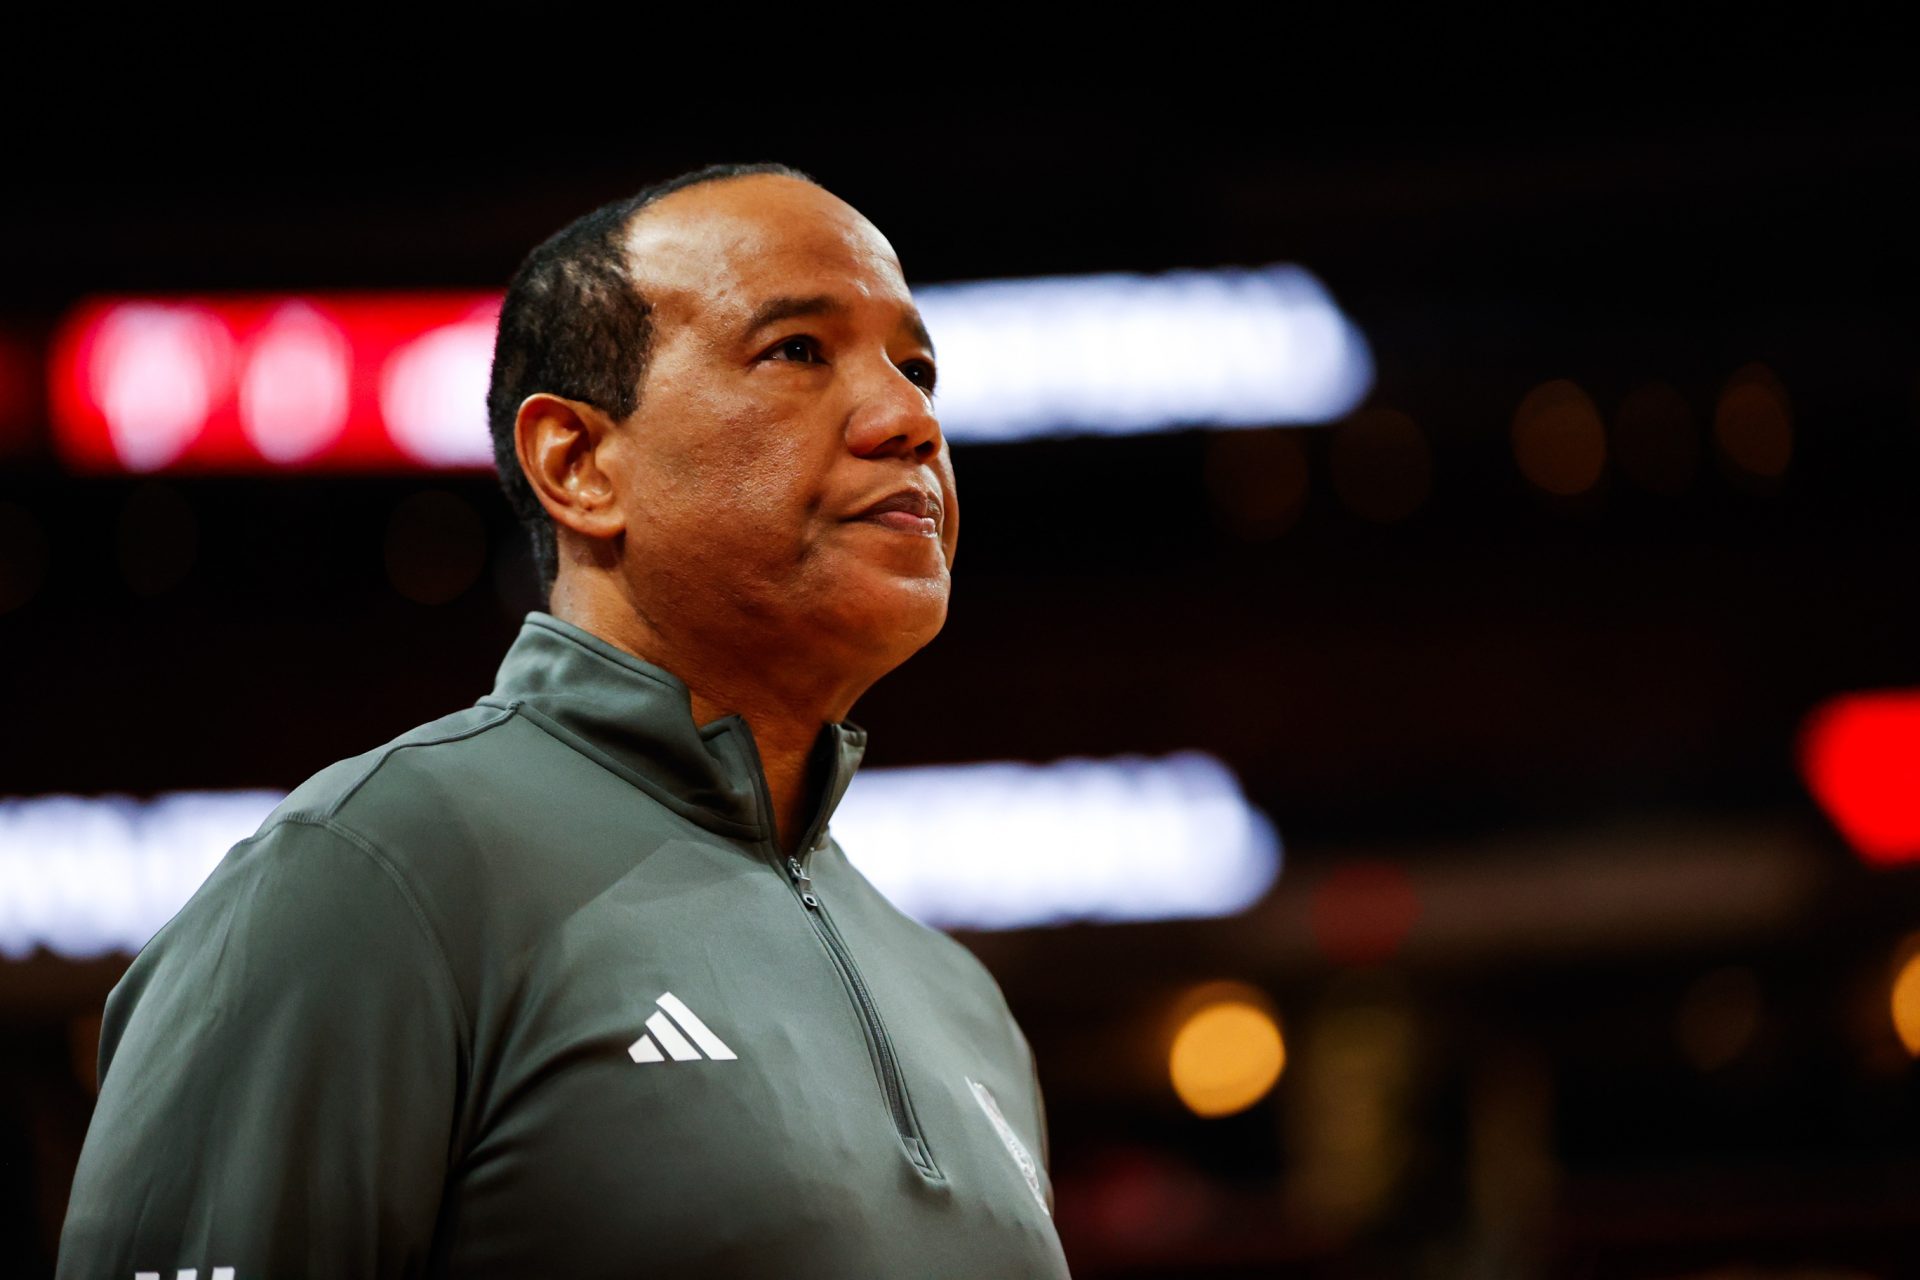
x=1363, y=911
x=1860, y=756
x=19, y=394
x=335, y=382
x=293, y=393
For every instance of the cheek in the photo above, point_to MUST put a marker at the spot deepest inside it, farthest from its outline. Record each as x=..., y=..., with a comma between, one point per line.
x=735, y=479
x=950, y=530
x=712, y=455
x=769, y=475
x=749, y=497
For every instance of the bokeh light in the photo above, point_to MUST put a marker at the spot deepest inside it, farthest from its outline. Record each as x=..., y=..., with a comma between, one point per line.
x=1228, y=1052
x=20, y=406
x=155, y=373
x=1656, y=442
x=1906, y=998
x=1362, y=912
x=1382, y=467
x=1753, y=425
x=1718, y=1017
x=1350, y=1112
x=1258, y=480
x=23, y=556
x=1143, y=1200
x=1558, y=440
x=295, y=385
x=436, y=547
x=1860, y=756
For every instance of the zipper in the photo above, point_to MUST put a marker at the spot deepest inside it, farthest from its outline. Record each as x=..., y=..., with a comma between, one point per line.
x=879, y=1045
x=892, y=1082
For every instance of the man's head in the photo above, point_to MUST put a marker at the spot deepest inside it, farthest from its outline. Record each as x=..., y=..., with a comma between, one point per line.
x=695, y=393
x=573, y=324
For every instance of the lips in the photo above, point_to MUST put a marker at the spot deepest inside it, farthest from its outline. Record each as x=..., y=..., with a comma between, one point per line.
x=905, y=509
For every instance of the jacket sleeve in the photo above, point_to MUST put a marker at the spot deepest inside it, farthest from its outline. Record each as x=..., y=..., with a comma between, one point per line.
x=280, y=1071
x=1040, y=1121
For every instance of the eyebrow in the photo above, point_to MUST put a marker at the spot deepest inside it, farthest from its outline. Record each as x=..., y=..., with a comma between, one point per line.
x=775, y=310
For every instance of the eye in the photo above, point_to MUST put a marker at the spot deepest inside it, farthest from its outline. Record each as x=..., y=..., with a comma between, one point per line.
x=921, y=373
x=800, y=349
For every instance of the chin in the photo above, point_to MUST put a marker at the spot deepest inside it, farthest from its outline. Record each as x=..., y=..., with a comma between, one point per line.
x=899, y=625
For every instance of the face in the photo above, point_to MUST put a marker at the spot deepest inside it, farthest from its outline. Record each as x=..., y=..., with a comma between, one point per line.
x=789, y=389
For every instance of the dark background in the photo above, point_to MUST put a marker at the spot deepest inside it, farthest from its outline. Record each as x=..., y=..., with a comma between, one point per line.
x=1566, y=725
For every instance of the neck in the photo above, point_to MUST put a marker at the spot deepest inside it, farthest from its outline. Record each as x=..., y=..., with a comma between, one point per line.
x=783, y=702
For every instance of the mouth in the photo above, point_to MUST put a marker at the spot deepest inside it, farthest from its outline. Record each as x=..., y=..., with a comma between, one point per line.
x=910, y=510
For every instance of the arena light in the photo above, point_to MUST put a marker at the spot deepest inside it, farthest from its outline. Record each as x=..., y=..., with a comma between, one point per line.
x=87, y=876
x=1860, y=757
x=1228, y=1052
x=340, y=382
x=986, y=846
x=1120, y=354
x=998, y=846
x=398, y=381
x=20, y=409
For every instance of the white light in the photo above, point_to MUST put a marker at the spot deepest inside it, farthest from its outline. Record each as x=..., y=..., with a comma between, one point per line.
x=433, y=394
x=1117, y=354
x=154, y=371
x=84, y=877
x=998, y=846
x=293, y=390
x=989, y=846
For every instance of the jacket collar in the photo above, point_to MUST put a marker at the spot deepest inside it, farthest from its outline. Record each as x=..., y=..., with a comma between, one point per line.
x=636, y=719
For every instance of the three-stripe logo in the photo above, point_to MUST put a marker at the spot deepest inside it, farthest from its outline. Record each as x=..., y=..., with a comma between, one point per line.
x=678, y=1040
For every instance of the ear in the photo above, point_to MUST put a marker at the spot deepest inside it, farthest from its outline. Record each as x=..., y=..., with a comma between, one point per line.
x=564, y=447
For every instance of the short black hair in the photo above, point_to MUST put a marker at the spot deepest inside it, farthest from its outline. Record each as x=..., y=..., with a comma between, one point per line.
x=574, y=325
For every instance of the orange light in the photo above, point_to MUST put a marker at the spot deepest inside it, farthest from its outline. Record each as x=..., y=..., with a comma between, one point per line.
x=1753, y=425
x=1381, y=465
x=436, y=547
x=1906, y=1001
x=1258, y=480
x=1719, y=1018
x=1558, y=439
x=1655, y=441
x=1227, y=1054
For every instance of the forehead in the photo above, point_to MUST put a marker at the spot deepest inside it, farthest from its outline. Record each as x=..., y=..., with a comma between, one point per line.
x=715, y=252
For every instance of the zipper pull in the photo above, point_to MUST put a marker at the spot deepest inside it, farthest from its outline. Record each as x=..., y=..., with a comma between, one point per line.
x=801, y=879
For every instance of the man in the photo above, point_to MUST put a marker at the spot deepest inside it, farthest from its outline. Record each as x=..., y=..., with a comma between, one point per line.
x=576, y=982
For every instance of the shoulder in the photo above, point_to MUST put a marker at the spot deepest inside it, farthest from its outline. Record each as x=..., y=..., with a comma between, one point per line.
x=298, y=918
x=454, y=813
x=441, y=804
x=432, y=748
x=339, y=878
x=494, y=830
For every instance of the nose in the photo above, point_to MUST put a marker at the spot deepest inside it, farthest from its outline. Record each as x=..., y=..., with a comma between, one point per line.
x=892, y=415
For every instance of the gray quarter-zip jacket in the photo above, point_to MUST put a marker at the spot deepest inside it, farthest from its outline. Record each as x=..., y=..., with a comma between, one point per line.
x=532, y=991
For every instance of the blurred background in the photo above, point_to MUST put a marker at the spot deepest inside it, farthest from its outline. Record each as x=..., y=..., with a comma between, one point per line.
x=1435, y=638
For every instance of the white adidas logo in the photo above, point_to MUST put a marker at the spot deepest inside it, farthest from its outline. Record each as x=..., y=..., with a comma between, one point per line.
x=678, y=1047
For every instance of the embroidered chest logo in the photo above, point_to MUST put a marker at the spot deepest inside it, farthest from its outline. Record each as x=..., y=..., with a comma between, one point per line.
x=678, y=1030
x=1029, y=1169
